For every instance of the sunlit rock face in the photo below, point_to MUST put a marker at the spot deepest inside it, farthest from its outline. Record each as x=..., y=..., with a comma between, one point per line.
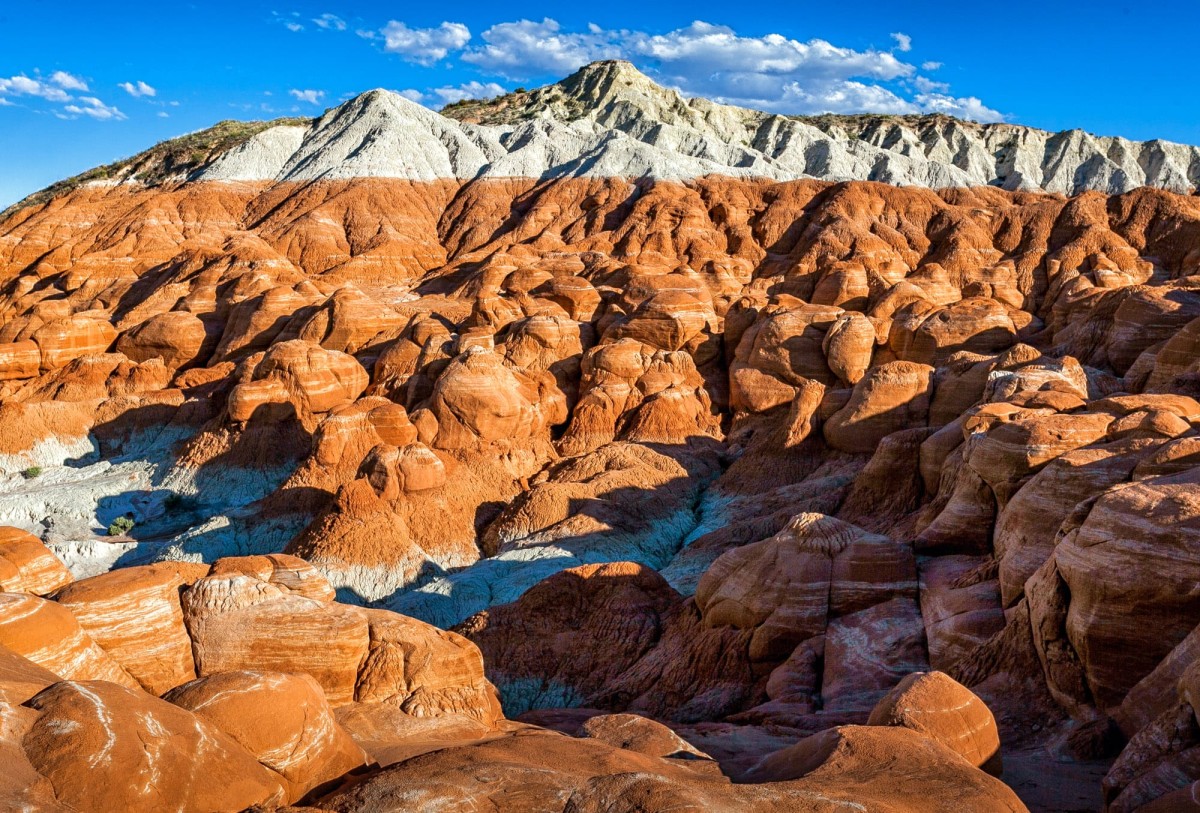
x=355, y=463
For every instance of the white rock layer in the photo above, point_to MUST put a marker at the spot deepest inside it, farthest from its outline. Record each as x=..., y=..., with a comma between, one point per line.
x=611, y=120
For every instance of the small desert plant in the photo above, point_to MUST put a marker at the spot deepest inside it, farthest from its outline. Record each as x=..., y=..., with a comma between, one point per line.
x=120, y=526
x=31, y=472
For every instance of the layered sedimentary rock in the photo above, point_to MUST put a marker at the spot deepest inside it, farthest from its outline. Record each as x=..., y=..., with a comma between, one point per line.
x=667, y=416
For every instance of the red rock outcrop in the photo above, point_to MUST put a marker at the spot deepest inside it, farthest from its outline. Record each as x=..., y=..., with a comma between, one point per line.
x=283, y=720
x=50, y=636
x=108, y=747
x=28, y=566
x=480, y=399
x=135, y=616
x=787, y=588
x=176, y=337
x=935, y=705
x=238, y=623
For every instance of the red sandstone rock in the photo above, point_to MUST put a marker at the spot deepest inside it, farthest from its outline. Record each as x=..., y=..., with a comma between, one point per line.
x=852, y=759
x=64, y=340
x=426, y=671
x=28, y=566
x=176, y=337
x=49, y=635
x=935, y=705
x=21, y=678
x=889, y=398
x=19, y=360
x=312, y=379
x=786, y=588
x=134, y=615
x=478, y=307
x=283, y=720
x=106, y=747
x=288, y=573
x=237, y=623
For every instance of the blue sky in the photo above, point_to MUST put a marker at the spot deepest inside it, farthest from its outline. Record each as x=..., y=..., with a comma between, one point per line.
x=82, y=84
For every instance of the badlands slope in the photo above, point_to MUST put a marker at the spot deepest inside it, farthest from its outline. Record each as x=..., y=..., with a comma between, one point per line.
x=756, y=463
x=610, y=120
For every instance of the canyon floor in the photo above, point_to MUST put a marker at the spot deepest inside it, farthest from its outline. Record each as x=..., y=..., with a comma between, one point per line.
x=493, y=460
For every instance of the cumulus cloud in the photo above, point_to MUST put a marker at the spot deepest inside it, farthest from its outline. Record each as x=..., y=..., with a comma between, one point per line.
x=308, y=96
x=448, y=94
x=930, y=66
x=413, y=95
x=523, y=48
x=137, y=89
x=469, y=90
x=963, y=108
x=424, y=46
x=330, y=22
x=92, y=107
x=927, y=85
x=22, y=85
x=54, y=89
x=771, y=72
x=67, y=81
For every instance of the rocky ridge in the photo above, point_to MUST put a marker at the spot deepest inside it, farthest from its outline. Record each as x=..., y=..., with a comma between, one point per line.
x=610, y=120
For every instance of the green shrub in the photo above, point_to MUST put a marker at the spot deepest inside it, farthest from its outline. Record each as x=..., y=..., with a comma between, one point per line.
x=120, y=526
x=31, y=472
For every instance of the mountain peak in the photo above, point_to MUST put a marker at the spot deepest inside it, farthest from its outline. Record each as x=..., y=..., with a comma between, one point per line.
x=607, y=71
x=593, y=90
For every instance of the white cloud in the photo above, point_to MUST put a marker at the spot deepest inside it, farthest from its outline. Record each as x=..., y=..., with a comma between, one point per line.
x=526, y=48
x=163, y=114
x=424, y=46
x=413, y=95
x=22, y=85
x=963, y=108
x=930, y=66
x=927, y=85
x=330, y=22
x=469, y=90
x=54, y=89
x=448, y=94
x=309, y=96
x=771, y=72
x=289, y=21
x=68, y=82
x=93, y=107
x=137, y=89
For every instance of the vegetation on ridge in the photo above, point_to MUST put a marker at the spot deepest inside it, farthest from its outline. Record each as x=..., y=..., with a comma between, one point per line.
x=168, y=160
